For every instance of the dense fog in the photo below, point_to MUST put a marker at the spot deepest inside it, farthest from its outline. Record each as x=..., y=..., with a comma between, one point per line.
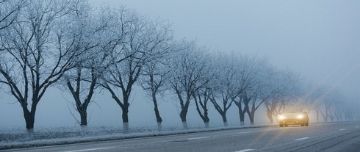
x=321, y=46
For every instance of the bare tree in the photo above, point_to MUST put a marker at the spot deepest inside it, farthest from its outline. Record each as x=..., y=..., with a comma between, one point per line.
x=223, y=106
x=255, y=103
x=315, y=95
x=187, y=76
x=280, y=89
x=245, y=70
x=202, y=95
x=156, y=74
x=36, y=55
x=253, y=86
x=141, y=44
x=96, y=41
x=202, y=98
x=242, y=103
x=251, y=100
x=329, y=104
x=224, y=88
x=156, y=77
x=275, y=96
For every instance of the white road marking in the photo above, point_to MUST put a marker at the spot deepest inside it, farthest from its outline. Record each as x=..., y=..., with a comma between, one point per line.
x=197, y=138
x=90, y=149
x=244, y=132
x=245, y=150
x=342, y=129
x=303, y=138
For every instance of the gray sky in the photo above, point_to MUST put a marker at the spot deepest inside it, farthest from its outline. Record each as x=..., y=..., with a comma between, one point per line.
x=318, y=38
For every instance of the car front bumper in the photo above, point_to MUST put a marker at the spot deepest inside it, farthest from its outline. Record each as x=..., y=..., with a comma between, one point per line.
x=293, y=122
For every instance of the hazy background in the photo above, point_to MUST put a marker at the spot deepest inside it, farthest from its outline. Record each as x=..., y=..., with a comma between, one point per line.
x=320, y=39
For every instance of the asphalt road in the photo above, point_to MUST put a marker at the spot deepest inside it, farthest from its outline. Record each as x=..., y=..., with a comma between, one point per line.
x=331, y=137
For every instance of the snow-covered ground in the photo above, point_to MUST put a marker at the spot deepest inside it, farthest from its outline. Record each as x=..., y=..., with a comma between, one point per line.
x=51, y=136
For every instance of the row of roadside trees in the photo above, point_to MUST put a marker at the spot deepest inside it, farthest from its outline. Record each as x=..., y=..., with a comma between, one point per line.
x=44, y=43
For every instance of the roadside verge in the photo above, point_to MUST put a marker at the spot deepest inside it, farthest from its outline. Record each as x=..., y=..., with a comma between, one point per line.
x=116, y=136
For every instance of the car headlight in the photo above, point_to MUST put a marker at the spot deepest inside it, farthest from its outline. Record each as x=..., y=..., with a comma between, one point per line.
x=300, y=116
x=281, y=117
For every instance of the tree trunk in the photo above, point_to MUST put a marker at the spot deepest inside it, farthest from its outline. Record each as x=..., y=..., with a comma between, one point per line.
x=223, y=116
x=183, y=115
x=183, y=118
x=156, y=110
x=270, y=116
x=247, y=110
x=241, y=114
x=159, y=126
x=125, y=113
x=204, y=116
x=29, y=119
x=83, y=118
x=157, y=114
x=242, y=118
x=252, y=120
x=185, y=125
x=207, y=124
x=125, y=127
x=125, y=119
x=206, y=121
x=251, y=115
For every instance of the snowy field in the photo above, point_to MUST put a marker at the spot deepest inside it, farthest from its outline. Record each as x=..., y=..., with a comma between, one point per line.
x=51, y=136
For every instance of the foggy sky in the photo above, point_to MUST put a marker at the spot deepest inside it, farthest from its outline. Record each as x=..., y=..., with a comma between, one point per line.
x=317, y=38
